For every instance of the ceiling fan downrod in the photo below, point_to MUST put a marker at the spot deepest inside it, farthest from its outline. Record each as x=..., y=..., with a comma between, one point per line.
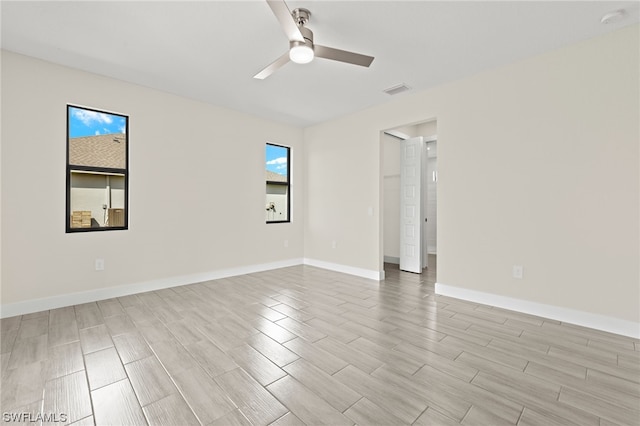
x=301, y=16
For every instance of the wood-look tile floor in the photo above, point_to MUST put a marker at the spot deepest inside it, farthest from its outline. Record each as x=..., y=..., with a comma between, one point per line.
x=303, y=345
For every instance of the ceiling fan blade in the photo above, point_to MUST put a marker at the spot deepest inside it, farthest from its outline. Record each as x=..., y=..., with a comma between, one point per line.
x=273, y=67
x=280, y=9
x=342, y=56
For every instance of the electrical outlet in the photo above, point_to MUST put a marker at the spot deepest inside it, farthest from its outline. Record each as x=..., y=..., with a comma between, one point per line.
x=334, y=244
x=99, y=264
x=286, y=243
x=518, y=270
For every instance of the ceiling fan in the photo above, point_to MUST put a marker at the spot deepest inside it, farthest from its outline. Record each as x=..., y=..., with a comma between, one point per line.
x=301, y=47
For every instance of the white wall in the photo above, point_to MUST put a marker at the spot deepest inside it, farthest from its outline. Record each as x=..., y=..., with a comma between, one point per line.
x=501, y=199
x=196, y=194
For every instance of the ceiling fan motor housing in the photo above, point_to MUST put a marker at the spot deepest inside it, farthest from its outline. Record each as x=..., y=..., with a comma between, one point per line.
x=308, y=38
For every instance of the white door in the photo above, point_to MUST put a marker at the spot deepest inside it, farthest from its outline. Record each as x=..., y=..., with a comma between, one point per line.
x=411, y=238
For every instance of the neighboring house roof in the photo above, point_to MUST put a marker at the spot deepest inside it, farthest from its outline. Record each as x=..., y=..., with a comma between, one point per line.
x=105, y=151
x=275, y=177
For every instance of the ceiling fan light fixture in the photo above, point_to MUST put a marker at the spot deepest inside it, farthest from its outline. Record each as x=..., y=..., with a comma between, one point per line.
x=301, y=47
x=301, y=53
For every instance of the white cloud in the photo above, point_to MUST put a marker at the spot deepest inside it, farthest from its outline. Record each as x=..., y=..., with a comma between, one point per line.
x=88, y=118
x=279, y=160
x=97, y=132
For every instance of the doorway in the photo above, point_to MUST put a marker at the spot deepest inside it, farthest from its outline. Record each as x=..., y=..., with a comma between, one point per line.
x=431, y=198
x=391, y=193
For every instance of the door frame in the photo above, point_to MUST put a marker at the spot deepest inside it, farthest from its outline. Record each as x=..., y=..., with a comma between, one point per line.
x=398, y=132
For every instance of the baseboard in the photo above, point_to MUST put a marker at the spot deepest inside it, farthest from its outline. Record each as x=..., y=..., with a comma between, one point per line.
x=359, y=272
x=53, y=302
x=558, y=313
x=392, y=259
x=46, y=303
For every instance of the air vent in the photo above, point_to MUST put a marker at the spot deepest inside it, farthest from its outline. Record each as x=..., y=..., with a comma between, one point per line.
x=396, y=89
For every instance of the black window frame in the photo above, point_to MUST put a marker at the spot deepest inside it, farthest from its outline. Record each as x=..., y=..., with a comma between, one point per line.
x=287, y=184
x=100, y=170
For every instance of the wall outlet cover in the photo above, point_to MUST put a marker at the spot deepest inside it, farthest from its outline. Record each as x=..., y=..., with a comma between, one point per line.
x=518, y=271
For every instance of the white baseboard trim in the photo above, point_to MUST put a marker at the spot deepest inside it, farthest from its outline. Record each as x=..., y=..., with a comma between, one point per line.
x=558, y=313
x=53, y=302
x=359, y=272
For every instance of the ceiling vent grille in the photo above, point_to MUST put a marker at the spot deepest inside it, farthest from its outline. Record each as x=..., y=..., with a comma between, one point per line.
x=396, y=89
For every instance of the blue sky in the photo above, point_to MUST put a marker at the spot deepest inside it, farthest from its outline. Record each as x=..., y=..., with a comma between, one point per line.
x=277, y=159
x=85, y=122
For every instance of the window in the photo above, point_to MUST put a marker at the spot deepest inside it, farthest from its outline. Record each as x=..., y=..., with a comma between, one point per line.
x=278, y=183
x=97, y=170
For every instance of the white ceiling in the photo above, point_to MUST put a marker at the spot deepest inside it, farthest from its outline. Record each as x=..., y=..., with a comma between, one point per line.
x=210, y=50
